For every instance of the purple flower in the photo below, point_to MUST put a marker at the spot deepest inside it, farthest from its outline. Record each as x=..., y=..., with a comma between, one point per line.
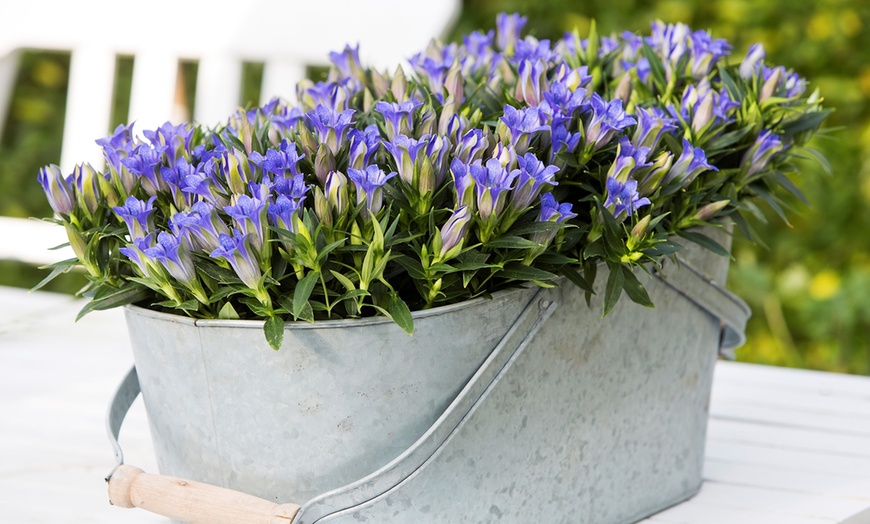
x=491, y=180
x=453, y=233
x=58, y=189
x=171, y=252
x=249, y=214
x=532, y=82
x=691, y=163
x=282, y=210
x=706, y=52
x=405, y=151
x=652, y=124
x=508, y=29
x=202, y=224
x=622, y=198
x=758, y=156
x=517, y=126
x=175, y=138
x=552, y=211
x=561, y=139
x=279, y=162
x=137, y=215
x=533, y=176
x=471, y=146
x=561, y=100
x=369, y=183
x=234, y=249
x=330, y=126
x=671, y=42
x=348, y=64
x=135, y=252
x=145, y=162
x=628, y=160
x=399, y=118
x=364, y=145
x=204, y=184
x=532, y=49
x=294, y=187
x=287, y=119
x=607, y=119
x=462, y=183
x=752, y=62
x=779, y=82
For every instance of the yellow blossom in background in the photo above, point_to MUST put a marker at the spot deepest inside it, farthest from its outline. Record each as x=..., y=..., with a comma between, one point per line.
x=824, y=285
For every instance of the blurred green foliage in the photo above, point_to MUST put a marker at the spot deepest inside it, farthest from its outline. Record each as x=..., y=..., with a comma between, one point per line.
x=809, y=288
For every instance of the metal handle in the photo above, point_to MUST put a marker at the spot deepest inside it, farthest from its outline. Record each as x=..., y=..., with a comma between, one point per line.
x=179, y=499
x=716, y=301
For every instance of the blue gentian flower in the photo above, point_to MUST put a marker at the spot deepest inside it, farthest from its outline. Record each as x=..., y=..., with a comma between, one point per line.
x=561, y=139
x=137, y=215
x=175, y=138
x=532, y=82
x=706, y=52
x=607, y=119
x=652, y=124
x=348, y=64
x=491, y=180
x=145, y=161
x=282, y=211
x=560, y=99
x=454, y=232
x=520, y=126
x=58, y=189
x=628, y=160
x=135, y=252
x=691, y=163
x=234, y=249
x=369, y=183
x=533, y=176
x=405, y=151
x=280, y=162
x=399, y=118
x=287, y=119
x=330, y=125
x=752, y=61
x=364, y=145
x=202, y=224
x=551, y=211
x=248, y=214
x=508, y=28
x=462, y=183
x=471, y=146
x=171, y=252
x=758, y=156
x=533, y=49
x=623, y=199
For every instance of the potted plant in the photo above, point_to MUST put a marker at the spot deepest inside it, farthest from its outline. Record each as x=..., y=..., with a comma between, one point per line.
x=392, y=230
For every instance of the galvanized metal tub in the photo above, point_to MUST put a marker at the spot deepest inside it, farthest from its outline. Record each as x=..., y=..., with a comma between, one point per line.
x=527, y=407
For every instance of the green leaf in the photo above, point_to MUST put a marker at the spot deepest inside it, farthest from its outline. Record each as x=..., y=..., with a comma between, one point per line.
x=353, y=294
x=274, y=331
x=228, y=312
x=536, y=227
x=511, y=242
x=577, y=279
x=613, y=289
x=806, y=121
x=303, y=291
x=126, y=295
x=189, y=305
x=215, y=272
x=346, y=282
x=789, y=186
x=58, y=268
x=662, y=248
x=634, y=289
x=518, y=271
x=401, y=313
x=705, y=242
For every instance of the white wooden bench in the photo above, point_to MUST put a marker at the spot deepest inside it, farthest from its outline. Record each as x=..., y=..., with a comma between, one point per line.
x=285, y=35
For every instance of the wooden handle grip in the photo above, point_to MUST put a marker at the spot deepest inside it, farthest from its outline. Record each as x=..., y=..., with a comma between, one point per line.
x=193, y=502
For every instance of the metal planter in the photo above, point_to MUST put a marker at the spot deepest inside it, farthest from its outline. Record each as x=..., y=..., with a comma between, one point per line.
x=528, y=407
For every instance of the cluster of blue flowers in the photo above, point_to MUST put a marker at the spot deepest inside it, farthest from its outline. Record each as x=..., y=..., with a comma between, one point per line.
x=472, y=143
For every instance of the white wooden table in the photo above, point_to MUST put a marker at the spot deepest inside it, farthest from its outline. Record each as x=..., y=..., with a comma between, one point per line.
x=784, y=446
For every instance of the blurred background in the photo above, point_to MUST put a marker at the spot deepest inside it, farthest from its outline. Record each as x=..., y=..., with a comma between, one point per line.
x=809, y=287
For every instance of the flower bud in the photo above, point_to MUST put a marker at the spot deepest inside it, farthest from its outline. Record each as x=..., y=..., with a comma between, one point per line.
x=324, y=163
x=399, y=85
x=710, y=210
x=58, y=189
x=453, y=233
